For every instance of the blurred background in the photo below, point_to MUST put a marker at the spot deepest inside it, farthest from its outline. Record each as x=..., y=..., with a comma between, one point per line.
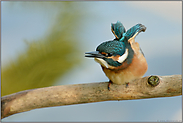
x=43, y=44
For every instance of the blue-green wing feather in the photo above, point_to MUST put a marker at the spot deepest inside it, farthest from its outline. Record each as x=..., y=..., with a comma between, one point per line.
x=135, y=30
x=118, y=29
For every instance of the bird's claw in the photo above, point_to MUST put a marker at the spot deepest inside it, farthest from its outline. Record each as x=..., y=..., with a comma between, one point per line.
x=110, y=82
x=127, y=84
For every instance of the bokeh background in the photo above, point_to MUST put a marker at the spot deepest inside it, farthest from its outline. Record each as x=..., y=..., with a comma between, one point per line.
x=43, y=44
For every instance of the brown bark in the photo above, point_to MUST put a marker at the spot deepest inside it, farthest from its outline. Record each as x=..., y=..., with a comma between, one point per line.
x=167, y=86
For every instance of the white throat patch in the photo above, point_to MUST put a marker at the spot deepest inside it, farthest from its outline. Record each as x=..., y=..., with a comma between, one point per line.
x=123, y=57
x=102, y=62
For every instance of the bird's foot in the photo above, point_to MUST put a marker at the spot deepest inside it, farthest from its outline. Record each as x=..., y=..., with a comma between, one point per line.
x=127, y=84
x=110, y=82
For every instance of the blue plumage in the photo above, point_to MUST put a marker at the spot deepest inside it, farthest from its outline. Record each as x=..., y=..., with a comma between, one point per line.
x=134, y=31
x=119, y=45
x=113, y=47
x=118, y=29
x=122, y=59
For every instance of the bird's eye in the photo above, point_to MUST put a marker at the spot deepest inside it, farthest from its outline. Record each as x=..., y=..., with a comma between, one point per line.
x=109, y=54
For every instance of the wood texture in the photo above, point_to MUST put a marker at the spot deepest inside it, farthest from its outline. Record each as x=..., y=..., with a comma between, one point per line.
x=87, y=93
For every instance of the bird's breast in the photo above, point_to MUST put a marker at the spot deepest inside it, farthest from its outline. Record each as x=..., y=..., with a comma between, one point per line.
x=128, y=72
x=135, y=70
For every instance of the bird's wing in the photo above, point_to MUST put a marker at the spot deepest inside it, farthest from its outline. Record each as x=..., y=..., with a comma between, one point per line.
x=118, y=29
x=134, y=31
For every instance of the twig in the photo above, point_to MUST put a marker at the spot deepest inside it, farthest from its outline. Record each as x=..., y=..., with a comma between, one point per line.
x=147, y=87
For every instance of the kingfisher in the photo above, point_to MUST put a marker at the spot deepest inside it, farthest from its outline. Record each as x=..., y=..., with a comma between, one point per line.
x=121, y=59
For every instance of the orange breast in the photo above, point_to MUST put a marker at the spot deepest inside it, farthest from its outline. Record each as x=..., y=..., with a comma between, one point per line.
x=135, y=70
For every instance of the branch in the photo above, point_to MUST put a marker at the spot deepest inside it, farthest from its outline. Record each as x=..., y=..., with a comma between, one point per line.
x=147, y=87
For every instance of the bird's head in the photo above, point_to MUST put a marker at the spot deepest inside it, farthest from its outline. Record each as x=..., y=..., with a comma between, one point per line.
x=110, y=54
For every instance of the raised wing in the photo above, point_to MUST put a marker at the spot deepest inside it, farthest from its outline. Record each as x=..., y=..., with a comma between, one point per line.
x=133, y=32
x=118, y=29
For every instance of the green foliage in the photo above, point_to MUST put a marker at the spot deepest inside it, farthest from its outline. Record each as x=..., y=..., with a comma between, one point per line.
x=48, y=58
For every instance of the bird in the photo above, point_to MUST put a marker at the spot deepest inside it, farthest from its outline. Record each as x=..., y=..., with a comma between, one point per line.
x=121, y=59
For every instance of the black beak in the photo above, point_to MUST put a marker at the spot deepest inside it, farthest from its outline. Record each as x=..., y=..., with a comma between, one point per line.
x=94, y=54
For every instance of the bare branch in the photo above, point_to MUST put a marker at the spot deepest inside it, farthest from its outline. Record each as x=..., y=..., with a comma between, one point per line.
x=147, y=87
